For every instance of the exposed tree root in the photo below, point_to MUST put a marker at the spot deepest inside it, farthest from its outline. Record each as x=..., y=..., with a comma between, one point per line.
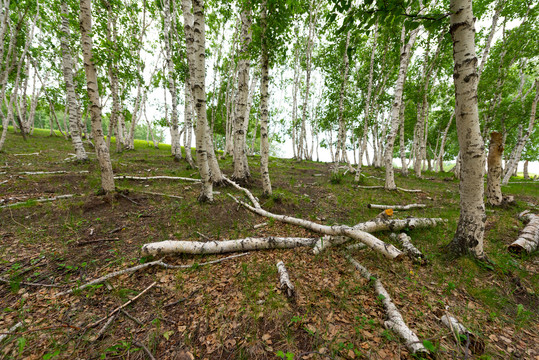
x=528, y=239
x=143, y=266
x=286, y=284
x=409, y=248
x=40, y=200
x=397, y=207
x=339, y=230
x=225, y=246
x=127, y=177
x=394, y=320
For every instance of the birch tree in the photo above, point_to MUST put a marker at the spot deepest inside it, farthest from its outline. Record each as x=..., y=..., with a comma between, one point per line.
x=102, y=151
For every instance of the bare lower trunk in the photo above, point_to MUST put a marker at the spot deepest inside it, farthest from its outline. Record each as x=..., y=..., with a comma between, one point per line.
x=341, y=140
x=241, y=169
x=102, y=152
x=440, y=157
x=526, y=174
x=174, y=128
x=495, y=152
x=187, y=119
x=67, y=67
x=471, y=225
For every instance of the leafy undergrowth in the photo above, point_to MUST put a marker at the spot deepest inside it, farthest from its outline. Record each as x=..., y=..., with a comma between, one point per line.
x=234, y=309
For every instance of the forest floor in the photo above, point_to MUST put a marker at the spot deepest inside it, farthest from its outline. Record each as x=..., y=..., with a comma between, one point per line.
x=234, y=309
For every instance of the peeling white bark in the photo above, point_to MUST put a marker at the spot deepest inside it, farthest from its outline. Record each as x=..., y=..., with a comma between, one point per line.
x=528, y=239
x=394, y=320
x=409, y=248
x=387, y=250
x=127, y=177
x=225, y=246
x=397, y=207
x=286, y=284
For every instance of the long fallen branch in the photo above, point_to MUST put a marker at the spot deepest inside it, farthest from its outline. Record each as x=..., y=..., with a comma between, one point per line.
x=409, y=248
x=11, y=329
x=52, y=172
x=387, y=250
x=225, y=246
x=127, y=177
x=249, y=194
x=397, y=207
x=113, y=312
x=382, y=187
x=40, y=200
x=528, y=239
x=143, y=266
x=394, y=320
x=158, y=194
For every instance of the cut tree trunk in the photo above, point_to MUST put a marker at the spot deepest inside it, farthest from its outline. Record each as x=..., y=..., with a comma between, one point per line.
x=225, y=246
x=528, y=239
x=394, y=320
x=107, y=176
x=286, y=285
x=495, y=153
x=471, y=225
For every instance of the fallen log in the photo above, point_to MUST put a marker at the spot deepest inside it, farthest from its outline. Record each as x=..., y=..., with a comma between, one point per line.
x=40, y=200
x=379, y=224
x=394, y=320
x=397, y=207
x=225, y=246
x=127, y=177
x=382, y=187
x=143, y=266
x=409, y=248
x=36, y=153
x=528, y=239
x=52, y=172
x=286, y=284
x=11, y=329
x=387, y=250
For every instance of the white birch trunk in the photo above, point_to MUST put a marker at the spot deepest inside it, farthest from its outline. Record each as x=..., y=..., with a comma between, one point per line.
x=102, y=152
x=224, y=246
x=394, y=320
x=440, y=158
x=363, y=140
x=471, y=225
x=67, y=67
x=495, y=153
x=196, y=46
x=341, y=140
x=405, y=55
x=522, y=140
x=188, y=124
x=174, y=127
x=241, y=168
x=264, y=100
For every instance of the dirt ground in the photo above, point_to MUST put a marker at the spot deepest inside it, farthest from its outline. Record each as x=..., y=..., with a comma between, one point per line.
x=235, y=309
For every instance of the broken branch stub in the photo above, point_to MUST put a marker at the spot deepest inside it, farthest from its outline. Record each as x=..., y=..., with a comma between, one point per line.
x=394, y=320
x=409, y=248
x=463, y=335
x=286, y=284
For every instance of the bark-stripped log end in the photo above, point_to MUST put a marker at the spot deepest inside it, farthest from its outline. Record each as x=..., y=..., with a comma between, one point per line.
x=286, y=285
x=516, y=249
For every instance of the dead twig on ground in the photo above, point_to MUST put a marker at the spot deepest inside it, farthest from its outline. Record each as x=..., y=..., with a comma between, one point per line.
x=96, y=241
